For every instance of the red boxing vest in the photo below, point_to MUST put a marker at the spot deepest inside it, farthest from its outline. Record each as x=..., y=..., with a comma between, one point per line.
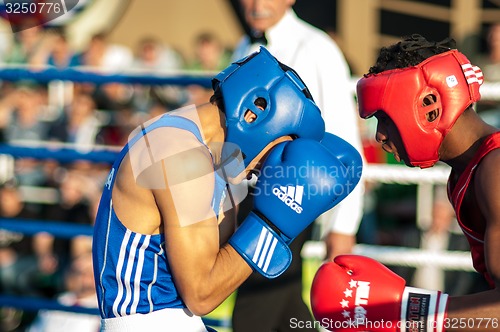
x=473, y=228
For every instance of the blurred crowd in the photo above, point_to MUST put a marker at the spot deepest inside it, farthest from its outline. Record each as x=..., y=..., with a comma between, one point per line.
x=47, y=191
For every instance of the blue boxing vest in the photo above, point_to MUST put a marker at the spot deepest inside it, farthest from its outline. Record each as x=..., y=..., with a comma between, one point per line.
x=131, y=270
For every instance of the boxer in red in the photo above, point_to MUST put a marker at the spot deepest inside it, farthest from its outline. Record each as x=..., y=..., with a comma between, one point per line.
x=422, y=94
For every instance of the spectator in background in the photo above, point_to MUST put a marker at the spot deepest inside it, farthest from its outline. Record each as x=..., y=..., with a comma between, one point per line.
x=263, y=305
x=73, y=207
x=56, y=51
x=75, y=193
x=25, y=45
x=435, y=239
x=116, y=128
x=78, y=124
x=22, y=109
x=62, y=55
x=489, y=63
x=153, y=56
x=13, y=246
x=210, y=56
x=79, y=291
x=106, y=56
x=17, y=261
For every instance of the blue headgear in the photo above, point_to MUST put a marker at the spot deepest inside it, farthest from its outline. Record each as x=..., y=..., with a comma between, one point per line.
x=288, y=108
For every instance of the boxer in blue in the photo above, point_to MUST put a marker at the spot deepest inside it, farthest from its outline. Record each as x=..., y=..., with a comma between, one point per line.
x=165, y=247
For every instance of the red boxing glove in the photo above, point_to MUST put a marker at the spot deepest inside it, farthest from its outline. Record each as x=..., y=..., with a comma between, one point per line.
x=357, y=293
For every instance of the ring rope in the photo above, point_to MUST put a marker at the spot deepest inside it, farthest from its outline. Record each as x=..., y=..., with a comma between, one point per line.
x=489, y=90
x=64, y=153
x=400, y=256
x=64, y=230
x=401, y=174
x=89, y=75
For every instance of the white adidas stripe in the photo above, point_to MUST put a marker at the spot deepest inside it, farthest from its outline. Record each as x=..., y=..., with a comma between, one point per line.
x=295, y=192
x=119, y=267
x=128, y=274
x=138, y=273
x=265, y=249
x=258, y=249
x=299, y=193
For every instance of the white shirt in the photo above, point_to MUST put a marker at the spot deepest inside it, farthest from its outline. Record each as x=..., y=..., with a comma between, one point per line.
x=62, y=321
x=322, y=66
x=116, y=58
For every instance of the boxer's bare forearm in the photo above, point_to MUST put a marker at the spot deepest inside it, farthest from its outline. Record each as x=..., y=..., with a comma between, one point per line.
x=476, y=312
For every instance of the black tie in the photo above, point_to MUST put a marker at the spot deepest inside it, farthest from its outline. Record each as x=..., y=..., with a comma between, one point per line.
x=258, y=37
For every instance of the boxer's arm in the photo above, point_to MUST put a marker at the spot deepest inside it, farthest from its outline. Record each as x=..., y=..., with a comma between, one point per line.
x=474, y=312
x=487, y=185
x=485, y=305
x=204, y=273
x=339, y=244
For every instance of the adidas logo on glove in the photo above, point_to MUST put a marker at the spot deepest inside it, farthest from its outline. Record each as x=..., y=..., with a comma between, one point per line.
x=291, y=196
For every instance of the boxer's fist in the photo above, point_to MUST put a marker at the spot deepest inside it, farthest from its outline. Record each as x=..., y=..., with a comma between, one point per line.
x=356, y=293
x=299, y=180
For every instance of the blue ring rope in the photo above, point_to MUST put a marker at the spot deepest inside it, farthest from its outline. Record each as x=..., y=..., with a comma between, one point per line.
x=62, y=154
x=63, y=230
x=80, y=75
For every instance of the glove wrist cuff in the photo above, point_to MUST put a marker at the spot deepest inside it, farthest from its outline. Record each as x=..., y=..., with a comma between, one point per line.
x=423, y=309
x=261, y=247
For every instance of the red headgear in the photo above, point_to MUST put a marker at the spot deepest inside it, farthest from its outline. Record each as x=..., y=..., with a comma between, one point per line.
x=448, y=77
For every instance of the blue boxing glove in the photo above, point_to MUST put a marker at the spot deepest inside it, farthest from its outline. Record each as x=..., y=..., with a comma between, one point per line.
x=347, y=155
x=299, y=180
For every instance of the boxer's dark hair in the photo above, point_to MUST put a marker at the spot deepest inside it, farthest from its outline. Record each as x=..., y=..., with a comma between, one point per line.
x=217, y=100
x=409, y=52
